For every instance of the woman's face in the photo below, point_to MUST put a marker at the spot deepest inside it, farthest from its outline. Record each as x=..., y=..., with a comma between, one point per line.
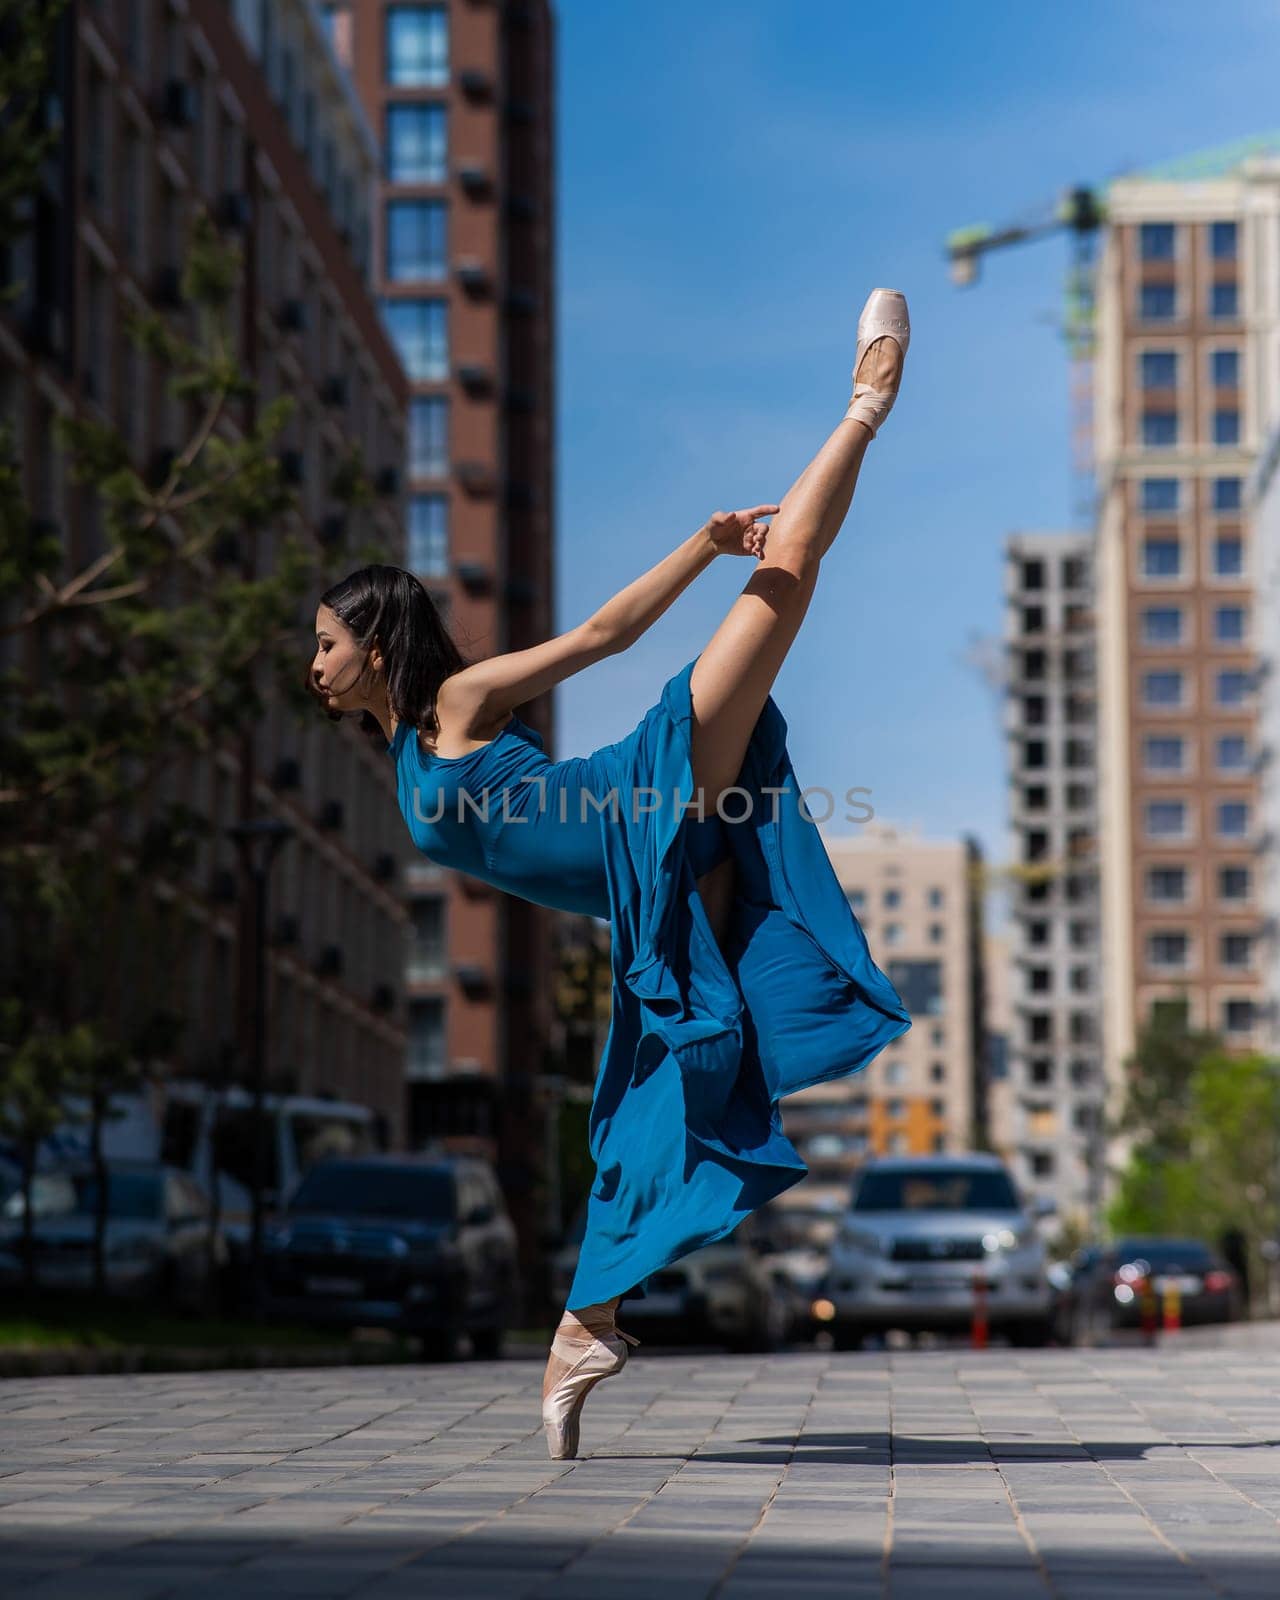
x=340, y=669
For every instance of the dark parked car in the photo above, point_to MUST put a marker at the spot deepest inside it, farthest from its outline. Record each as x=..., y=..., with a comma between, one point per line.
x=723, y=1293
x=415, y=1243
x=1105, y=1288
x=157, y=1241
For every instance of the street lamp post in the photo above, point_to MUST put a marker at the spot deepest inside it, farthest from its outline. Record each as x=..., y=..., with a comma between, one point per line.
x=259, y=841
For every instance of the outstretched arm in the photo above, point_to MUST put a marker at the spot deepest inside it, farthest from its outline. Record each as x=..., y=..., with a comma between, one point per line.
x=480, y=694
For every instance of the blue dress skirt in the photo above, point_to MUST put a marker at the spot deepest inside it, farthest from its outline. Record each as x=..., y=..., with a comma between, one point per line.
x=685, y=1129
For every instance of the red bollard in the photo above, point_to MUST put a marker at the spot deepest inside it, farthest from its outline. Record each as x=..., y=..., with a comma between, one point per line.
x=1147, y=1294
x=1171, y=1308
x=978, y=1331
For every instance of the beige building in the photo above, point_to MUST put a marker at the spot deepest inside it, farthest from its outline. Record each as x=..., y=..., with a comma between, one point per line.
x=918, y=903
x=1187, y=381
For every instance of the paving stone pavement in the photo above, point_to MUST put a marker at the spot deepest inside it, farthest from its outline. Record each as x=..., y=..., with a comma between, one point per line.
x=999, y=1474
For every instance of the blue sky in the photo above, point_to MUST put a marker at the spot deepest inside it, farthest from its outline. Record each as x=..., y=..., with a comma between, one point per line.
x=732, y=180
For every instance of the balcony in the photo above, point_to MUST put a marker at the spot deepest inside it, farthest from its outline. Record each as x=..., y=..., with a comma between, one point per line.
x=334, y=390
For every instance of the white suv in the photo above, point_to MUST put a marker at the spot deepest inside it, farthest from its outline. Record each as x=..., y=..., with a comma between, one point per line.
x=920, y=1231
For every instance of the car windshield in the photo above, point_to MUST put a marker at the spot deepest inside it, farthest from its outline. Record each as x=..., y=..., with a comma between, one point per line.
x=1165, y=1252
x=424, y=1194
x=918, y=1189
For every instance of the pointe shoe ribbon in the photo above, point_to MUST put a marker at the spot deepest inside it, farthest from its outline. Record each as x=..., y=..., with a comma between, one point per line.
x=884, y=316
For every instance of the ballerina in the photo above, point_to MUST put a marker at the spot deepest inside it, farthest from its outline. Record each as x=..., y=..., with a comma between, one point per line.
x=740, y=973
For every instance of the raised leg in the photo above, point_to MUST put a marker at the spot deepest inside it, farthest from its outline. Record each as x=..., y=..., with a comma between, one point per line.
x=735, y=673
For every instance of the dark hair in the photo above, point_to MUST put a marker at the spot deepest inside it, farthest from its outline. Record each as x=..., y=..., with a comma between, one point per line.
x=389, y=606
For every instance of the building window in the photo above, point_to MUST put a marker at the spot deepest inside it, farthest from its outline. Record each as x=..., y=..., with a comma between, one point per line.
x=1235, y=950
x=1157, y=302
x=857, y=898
x=417, y=42
x=1161, y=558
x=1159, y=429
x=937, y=1072
x=1226, y=427
x=428, y=1056
x=936, y=899
x=419, y=330
x=428, y=436
x=1224, y=369
x=1237, y=1016
x=893, y=933
x=427, y=942
x=1166, y=819
x=1158, y=494
x=1228, y=624
x=417, y=246
x=891, y=899
x=1162, y=625
x=1162, y=689
x=1156, y=241
x=1159, y=369
x=1233, y=819
x=1232, y=752
x=429, y=535
x=936, y=933
x=1233, y=883
x=417, y=144
x=920, y=985
x=1163, y=752
x=1224, y=300
x=1226, y=494
x=1228, y=556
x=1167, y=950
x=895, y=1071
x=1231, y=687
x=1033, y=574
x=1222, y=241
x=1166, y=885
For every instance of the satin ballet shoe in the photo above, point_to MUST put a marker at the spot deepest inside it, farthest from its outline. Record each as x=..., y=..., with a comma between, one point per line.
x=589, y=1363
x=883, y=316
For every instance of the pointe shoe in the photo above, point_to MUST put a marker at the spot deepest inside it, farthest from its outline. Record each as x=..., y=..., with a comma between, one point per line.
x=884, y=315
x=562, y=1408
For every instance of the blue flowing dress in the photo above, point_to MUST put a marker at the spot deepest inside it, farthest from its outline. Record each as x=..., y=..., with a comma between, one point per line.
x=685, y=1130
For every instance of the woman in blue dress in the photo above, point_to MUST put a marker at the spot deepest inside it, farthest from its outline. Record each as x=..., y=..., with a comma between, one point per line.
x=740, y=973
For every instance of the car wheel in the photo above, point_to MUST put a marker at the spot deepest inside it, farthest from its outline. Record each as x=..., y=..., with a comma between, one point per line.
x=487, y=1344
x=847, y=1338
x=438, y=1345
x=1032, y=1334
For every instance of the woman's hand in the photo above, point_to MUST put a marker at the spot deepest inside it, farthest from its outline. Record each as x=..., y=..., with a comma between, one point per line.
x=739, y=533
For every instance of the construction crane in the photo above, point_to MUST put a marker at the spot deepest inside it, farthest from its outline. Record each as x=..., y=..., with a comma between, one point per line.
x=1080, y=211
